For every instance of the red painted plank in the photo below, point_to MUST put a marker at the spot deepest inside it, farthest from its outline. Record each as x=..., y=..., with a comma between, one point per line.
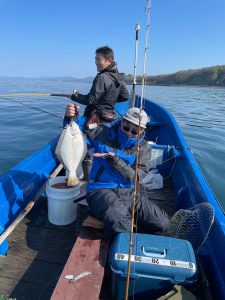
x=89, y=254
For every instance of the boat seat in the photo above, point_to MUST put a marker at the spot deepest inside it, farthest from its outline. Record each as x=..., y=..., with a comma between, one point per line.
x=154, y=124
x=83, y=273
x=159, y=153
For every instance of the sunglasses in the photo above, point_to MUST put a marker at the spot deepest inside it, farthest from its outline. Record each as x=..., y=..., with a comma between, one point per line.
x=131, y=130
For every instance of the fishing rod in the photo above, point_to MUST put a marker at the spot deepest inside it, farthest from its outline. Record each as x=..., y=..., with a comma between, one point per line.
x=132, y=96
x=147, y=10
x=133, y=214
x=3, y=96
x=35, y=95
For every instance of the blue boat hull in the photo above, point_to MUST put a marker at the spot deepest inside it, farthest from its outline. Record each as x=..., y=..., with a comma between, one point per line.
x=19, y=185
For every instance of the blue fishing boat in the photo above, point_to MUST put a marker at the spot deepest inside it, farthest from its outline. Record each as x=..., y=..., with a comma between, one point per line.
x=22, y=190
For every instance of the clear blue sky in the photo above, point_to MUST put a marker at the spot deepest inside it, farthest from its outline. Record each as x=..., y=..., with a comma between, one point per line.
x=59, y=38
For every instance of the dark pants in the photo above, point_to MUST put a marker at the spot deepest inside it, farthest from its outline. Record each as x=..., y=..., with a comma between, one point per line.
x=114, y=208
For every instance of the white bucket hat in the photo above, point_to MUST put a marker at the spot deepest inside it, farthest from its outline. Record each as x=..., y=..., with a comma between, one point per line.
x=133, y=115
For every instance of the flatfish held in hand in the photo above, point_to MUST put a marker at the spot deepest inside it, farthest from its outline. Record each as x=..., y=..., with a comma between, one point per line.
x=71, y=150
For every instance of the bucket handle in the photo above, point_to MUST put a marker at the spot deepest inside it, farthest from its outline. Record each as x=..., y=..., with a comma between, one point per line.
x=154, y=252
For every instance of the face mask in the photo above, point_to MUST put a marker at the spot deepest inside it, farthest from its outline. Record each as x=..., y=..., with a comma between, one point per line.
x=125, y=141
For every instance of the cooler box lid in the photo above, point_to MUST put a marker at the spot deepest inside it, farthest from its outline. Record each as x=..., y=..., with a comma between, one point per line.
x=154, y=256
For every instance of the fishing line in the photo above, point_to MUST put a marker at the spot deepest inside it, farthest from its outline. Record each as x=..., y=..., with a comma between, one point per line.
x=32, y=107
x=172, y=168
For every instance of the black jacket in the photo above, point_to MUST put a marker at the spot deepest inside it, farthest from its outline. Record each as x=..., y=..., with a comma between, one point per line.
x=107, y=89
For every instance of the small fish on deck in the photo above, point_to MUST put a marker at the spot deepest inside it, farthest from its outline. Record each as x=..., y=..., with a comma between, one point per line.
x=73, y=278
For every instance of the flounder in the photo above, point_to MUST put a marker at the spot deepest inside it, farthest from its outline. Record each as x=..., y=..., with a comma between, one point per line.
x=71, y=150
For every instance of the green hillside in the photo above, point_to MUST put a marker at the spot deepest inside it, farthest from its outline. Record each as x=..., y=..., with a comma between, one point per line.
x=212, y=76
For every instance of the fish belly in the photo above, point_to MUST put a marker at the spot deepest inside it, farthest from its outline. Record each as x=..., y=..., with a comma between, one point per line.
x=70, y=151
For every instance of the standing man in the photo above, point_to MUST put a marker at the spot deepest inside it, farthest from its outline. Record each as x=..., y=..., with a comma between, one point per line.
x=107, y=89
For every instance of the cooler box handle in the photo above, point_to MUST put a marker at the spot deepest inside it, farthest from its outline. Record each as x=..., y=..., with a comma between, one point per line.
x=154, y=252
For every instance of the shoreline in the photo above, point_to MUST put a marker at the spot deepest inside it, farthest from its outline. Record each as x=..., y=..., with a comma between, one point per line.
x=179, y=85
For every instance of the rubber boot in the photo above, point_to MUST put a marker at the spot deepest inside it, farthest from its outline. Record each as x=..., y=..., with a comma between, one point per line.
x=86, y=165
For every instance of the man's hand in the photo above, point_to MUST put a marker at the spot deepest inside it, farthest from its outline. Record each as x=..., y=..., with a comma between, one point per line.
x=75, y=93
x=104, y=155
x=71, y=110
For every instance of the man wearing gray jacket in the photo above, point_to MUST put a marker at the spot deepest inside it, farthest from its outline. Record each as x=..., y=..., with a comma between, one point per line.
x=110, y=192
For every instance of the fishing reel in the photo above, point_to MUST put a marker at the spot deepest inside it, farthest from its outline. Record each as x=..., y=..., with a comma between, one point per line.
x=75, y=93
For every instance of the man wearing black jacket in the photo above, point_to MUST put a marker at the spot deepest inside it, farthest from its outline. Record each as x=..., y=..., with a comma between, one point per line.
x=107, y=88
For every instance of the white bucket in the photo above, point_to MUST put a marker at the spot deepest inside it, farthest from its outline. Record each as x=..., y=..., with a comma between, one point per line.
x=61, y=208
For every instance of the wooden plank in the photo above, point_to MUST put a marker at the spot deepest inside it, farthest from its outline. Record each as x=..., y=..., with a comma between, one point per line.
x=30, y=270
x=45, y=244
x=23, y=290
x=37, y=255
x=89, y=254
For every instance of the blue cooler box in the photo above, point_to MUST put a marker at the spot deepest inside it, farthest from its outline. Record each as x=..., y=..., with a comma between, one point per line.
x=157, y=263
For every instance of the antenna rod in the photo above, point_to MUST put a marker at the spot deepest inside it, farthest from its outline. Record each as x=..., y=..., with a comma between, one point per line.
x=147, y=10
x=133, y=96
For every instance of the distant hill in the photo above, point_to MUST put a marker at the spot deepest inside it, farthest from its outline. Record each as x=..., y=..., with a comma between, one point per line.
x=49, y=78
x=68, y=78
x=212, y=76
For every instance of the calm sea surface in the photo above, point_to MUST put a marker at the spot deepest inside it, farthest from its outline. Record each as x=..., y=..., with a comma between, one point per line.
x=198, y=111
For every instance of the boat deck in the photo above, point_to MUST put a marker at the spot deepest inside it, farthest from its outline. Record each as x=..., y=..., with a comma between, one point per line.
x=39, y=251
x=37, y=255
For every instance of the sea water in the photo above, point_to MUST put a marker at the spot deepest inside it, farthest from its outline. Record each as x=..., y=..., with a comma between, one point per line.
x=199, y=111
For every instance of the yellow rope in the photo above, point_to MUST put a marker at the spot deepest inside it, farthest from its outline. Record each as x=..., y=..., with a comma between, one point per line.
x=25, y=95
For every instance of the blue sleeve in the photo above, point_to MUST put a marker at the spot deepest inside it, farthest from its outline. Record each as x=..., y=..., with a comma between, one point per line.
x=81, y=122
x=101, y=148
x=130, y=159
x=66, y=121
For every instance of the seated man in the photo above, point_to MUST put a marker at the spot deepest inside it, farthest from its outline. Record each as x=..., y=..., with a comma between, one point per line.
x=110, y=192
